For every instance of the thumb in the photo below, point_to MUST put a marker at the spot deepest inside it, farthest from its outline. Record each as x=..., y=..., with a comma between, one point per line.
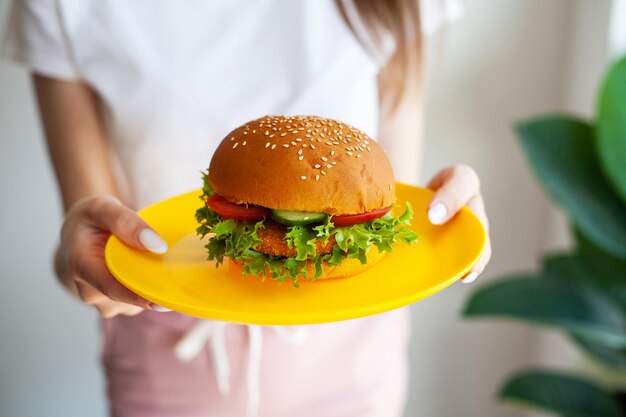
x=110, y=214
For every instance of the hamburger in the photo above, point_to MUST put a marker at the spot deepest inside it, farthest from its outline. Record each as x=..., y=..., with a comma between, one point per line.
x=300, y=197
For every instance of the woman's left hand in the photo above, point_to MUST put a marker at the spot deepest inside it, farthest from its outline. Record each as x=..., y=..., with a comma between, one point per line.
x=455, y=187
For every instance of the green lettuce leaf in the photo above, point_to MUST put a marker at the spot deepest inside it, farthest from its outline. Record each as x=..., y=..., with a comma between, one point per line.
x=238, y=240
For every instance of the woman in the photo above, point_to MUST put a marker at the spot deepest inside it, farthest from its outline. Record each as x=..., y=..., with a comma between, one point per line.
x=134, y=98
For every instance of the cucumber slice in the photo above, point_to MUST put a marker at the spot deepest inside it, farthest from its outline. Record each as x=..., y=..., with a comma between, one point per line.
x=296, y=218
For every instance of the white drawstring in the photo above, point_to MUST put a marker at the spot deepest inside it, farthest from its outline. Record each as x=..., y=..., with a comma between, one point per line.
x=188, y=346
x=217, y=341
x=255, y=340
x=213, y=333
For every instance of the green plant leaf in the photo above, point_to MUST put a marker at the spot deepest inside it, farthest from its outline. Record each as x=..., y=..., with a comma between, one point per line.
x=601, y=261
x=611, y=127
x=587, y=274
x=560, y=393
x=578, y=271
x=550, y=302
x=562, y=154
x=614, y=358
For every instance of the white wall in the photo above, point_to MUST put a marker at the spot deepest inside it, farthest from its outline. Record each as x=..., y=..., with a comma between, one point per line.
x=504, y=61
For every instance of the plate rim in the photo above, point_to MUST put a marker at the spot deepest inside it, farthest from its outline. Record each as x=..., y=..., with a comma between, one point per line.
x=309, y=318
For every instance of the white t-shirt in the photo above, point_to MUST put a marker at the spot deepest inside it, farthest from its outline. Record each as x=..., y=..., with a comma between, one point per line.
x=176, y=77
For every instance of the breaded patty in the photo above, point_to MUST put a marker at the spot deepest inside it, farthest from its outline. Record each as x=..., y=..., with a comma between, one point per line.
x=273, y=237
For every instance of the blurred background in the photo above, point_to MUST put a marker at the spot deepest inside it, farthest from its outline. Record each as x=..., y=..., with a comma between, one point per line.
x=504, y=61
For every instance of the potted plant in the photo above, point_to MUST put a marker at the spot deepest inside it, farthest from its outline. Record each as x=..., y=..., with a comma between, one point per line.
x=582, y=166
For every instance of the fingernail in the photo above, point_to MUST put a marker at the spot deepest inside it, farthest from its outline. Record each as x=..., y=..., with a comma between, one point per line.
x=471, y=277
x=153, y=242
x=160, y=309
x=437, y=213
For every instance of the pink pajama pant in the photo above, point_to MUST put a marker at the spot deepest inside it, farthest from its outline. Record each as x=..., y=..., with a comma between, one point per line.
x=355, y=368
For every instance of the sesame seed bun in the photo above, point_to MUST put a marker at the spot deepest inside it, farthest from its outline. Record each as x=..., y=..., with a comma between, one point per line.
x=304, y=163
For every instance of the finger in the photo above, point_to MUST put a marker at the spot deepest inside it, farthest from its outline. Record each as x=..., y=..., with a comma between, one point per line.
x=454, y=186
x=477, y=205
x=106, y=307
x=110, y=214
x=480, y=265
x=109, y=308
x=93, y=272
x=89, y=294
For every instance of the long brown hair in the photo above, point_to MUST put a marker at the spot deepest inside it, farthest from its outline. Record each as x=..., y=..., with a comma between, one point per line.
x=400, y=20
x=400, y=80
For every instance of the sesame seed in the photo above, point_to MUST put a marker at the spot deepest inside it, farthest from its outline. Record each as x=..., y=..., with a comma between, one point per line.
x=235, y=145
x=267, y=133
x=304, y=145
x=253, y=130
x=358, y=156
x=244, y=143
x=273, y=146
x=317, y=177
x=298, y=140
x=272, y=135
x=349, y=153
x=329, y=166
x=332, y=153
x=303, y=177
x=283, y=134
x=300, y=158
x=245, y=132
x=312, y=146
x=294, y=143
x=267, y=145
x=285, y=145
x=329, y=143
x=324, y=159
x=322, y=135
x=232, y=139
x=323, y=172
x=299, y=151
x=317, y=166
x=333, y=163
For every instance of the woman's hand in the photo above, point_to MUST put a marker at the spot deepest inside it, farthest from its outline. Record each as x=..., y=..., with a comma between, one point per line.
x=455, y=187
x=80, y=258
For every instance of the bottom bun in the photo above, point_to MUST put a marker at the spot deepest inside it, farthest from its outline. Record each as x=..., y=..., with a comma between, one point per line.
x=349, y=267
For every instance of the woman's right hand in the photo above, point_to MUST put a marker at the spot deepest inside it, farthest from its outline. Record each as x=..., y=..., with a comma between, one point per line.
x=80, y=259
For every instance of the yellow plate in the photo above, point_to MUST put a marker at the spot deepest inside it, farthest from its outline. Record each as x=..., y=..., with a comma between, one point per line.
x=185, y=281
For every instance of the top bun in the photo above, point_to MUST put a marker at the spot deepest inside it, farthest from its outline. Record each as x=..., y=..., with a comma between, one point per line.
x=304, y=163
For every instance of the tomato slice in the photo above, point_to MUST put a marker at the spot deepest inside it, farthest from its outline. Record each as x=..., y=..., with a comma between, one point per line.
x=229, y=210
x=350, y=219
